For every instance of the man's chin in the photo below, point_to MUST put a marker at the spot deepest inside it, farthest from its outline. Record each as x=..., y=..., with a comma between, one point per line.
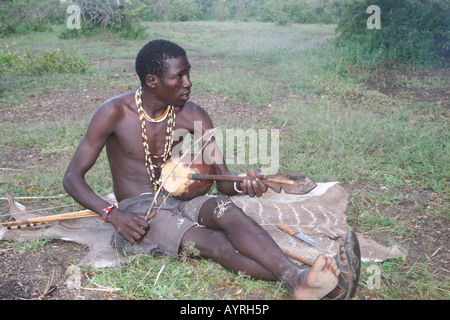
x=180, y=104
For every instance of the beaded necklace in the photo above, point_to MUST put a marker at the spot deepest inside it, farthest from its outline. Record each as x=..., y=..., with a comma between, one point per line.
x=168, y=140
x=160, y=119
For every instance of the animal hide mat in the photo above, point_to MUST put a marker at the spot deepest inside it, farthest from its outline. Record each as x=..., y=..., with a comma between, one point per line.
x=320, y=215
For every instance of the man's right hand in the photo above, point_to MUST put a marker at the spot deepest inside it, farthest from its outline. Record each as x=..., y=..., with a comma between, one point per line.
x=131, y=226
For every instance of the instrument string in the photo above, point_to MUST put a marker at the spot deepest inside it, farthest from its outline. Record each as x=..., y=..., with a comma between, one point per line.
x=211, y=133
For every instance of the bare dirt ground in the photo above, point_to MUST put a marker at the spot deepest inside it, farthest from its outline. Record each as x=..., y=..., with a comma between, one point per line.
x=43, y=274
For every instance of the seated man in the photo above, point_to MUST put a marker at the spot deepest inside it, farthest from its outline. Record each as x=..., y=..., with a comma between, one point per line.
x=137, y=130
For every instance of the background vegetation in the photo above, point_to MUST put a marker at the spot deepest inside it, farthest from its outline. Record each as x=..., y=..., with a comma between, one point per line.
x=346, y=115
x=414, y=32
x=23, y=16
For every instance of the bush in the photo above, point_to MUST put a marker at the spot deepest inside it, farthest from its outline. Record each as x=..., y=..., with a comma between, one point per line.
x=35, y=62
x=183, y=10
x=412, y=32
x=279, y=11
x=273, y=11
x=24, y=16
x=119, y=17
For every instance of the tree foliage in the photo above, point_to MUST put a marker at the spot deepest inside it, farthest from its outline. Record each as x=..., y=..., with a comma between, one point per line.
x=110, y=13
x=123, y=16
x=23, y=16
x=279, y=11
x=120, y=17
x=412, y=32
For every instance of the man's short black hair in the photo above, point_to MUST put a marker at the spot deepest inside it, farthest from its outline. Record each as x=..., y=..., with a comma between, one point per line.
x=151, y=59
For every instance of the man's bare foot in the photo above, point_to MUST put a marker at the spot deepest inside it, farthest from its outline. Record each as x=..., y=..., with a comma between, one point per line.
x=349, y=263
x=316, y=282
x=338, y=291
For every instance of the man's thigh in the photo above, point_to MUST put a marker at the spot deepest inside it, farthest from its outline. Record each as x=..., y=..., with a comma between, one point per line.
x=217, y=208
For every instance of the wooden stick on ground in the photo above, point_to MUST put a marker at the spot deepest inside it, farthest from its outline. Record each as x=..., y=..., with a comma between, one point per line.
x=48, y=219
x=300, y=259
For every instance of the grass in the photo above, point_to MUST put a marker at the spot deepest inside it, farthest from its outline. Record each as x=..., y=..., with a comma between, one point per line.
x=335, y=129
x=24, y=247
x=163, y=278
x=349, y=145
x=400, y=281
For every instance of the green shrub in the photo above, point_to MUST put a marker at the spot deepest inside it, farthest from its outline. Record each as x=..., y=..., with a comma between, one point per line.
x=272, y=11
x=287, y=11
x=183, y=10
x=279, y=11
x=32, y=62
x=24, y=16
x=412, y=32
x=121, y=18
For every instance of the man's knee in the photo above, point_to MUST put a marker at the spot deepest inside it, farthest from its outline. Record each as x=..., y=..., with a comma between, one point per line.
x=223, y=205
x=210, y=243
x=222, y=247
x=220, y=213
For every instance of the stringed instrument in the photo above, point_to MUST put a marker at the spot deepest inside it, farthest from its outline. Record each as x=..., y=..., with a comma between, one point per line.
x=189, y=177
x=175, y=177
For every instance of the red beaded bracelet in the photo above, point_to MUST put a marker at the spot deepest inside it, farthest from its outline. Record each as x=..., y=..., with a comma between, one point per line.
x=107, y=210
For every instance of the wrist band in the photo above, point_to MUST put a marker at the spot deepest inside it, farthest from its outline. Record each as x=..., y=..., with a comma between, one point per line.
x=106, y=211
x=235, y=187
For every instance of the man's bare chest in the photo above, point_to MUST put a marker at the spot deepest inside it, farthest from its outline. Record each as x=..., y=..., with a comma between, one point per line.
x=134, y=141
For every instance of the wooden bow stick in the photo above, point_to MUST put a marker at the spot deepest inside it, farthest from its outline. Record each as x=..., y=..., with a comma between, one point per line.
x=291, y=183
x=48, y=219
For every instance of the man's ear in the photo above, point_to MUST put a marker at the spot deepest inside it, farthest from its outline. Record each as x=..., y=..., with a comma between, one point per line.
x=152, y=81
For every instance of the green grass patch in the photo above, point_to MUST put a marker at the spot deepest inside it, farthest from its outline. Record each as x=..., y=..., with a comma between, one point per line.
x=26, y=247
x=163, y=278
x=336, y=143
x=30, y=62
x=400, y=281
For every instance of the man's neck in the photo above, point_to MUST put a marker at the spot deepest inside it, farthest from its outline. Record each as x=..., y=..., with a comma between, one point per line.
x=152, y=106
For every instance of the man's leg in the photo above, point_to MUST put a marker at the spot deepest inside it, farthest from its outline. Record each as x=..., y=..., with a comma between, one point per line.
x=237, y=242
x=214, y=244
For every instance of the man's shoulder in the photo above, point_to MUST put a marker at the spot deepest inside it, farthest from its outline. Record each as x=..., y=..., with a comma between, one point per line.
x=193, y=109
x=122, y=100
x=117, y=104
x=115, y=109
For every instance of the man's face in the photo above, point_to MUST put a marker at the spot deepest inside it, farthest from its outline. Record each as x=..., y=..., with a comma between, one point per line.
x=175, y=85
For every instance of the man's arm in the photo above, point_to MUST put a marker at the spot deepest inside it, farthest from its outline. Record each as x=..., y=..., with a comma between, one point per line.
x=85, y=157
x=133, y=227
x=212, y=154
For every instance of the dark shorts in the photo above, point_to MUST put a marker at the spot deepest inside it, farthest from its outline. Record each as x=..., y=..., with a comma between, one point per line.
x=167, y=228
